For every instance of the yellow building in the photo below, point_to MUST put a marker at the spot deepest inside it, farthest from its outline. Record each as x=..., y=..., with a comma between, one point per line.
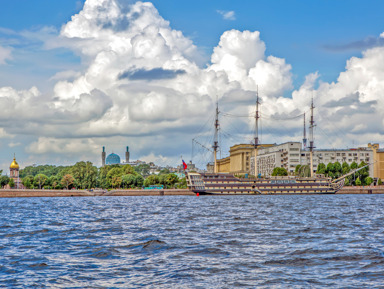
x=239, y=160
x=378, y=161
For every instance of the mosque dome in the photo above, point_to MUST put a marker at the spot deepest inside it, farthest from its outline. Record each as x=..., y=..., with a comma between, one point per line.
x=14, y=164
x=112, y=159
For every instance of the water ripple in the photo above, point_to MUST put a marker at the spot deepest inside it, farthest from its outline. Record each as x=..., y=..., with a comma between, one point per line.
x=189, y=242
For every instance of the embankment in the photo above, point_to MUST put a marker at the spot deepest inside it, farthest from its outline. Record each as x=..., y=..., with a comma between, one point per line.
x=13, y=193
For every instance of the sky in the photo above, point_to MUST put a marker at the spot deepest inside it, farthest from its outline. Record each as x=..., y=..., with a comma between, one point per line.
x=79, y=75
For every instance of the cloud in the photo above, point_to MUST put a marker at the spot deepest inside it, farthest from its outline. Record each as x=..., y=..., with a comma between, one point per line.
x=227, y=15
x=45, y=145
x=241, y=56
x=12, y=144
x=5, y=54
x=151, y=74
x=354, y=99
x=140, y=84
x=359, y=45
x=4, y=134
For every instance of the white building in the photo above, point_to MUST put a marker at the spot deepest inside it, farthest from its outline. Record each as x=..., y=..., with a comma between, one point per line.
x=289, y=155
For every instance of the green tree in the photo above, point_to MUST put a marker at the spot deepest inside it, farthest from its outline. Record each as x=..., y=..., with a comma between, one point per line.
x=354, y=165
x=329, y=170
x=48, y=170
x=337, y=169
x=67, y=181
x=162, y=180
x=114, y=176
x=379, y=182
x=151, y=180
x=102, y=180
x=363, y=173
x=116, y=182
x=171, y=180
x=11, y=183
x=39, y=180
x=129, y=170
x=164, y=171
x=321, y=168
x=358, y=182
x=368, y=181
x=345, y=168
x=128, y=181
x=27, y=182
x=279, y=172
x=85, y=175
x=182, y=183
x=4, y=180
x=139, y=181
x=142, y=169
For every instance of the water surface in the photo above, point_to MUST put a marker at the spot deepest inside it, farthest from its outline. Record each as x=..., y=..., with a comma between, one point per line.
x=316, y=241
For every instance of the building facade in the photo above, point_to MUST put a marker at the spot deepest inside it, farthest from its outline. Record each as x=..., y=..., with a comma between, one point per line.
x=113, y=159
x=239, y=160
x=358, y=155
x=286, y=155
x=290, y=154
x=378, y=161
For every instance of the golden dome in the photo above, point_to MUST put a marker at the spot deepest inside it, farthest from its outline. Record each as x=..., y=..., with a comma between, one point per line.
x=14, y=164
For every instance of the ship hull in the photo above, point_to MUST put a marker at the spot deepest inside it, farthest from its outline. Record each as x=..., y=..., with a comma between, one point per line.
x=227, y=184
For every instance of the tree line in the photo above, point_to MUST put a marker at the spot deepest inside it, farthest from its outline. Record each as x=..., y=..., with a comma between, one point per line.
x=334, y=171
x=84, y=175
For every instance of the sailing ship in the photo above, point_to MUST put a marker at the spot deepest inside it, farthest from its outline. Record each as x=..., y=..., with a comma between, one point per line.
x=217, y=183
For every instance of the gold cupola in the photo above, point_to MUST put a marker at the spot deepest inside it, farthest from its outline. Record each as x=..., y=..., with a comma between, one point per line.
x=14, y=164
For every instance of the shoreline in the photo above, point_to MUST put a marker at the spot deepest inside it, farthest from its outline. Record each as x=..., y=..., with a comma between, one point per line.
x=18, y=193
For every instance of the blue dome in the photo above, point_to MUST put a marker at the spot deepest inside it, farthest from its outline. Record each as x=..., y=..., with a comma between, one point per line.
x=113, y=159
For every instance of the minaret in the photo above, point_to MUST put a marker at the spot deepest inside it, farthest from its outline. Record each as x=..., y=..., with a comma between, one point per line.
x=127, y=155
x=215, y=142
x=103, y=157
x=311, y=144
x=256, y=144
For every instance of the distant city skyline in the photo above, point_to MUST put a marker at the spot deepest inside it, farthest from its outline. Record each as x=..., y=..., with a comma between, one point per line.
x=79, y=75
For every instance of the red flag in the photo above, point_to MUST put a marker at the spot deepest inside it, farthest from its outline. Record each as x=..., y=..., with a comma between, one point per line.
x=184, y=165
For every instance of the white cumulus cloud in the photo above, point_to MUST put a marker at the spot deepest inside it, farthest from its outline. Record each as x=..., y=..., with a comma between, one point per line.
x=227, y=15
x=141, y=85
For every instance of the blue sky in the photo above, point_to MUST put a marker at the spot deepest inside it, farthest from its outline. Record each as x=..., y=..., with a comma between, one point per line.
x=309, y=36
x=299, y=31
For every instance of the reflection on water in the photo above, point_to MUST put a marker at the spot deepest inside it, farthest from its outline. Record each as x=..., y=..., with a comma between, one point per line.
x=193, y=242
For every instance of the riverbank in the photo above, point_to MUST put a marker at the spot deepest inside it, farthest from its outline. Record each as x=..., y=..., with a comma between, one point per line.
x=14, y=193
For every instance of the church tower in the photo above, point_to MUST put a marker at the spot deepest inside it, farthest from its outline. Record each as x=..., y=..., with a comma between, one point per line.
x=14, y=172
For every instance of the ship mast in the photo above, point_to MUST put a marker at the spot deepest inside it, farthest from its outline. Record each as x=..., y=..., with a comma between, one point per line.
x=305, y=136
x=256, y=144
x=311, y=143
x=215, y=142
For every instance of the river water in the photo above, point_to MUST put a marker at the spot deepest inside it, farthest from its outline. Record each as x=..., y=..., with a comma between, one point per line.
x=313, y=241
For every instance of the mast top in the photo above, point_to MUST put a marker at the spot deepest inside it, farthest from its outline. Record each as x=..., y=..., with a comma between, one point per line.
x=257, y=116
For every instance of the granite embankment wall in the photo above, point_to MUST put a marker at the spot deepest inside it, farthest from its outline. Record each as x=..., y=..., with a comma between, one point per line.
x=362, y=190
x=85, y=193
